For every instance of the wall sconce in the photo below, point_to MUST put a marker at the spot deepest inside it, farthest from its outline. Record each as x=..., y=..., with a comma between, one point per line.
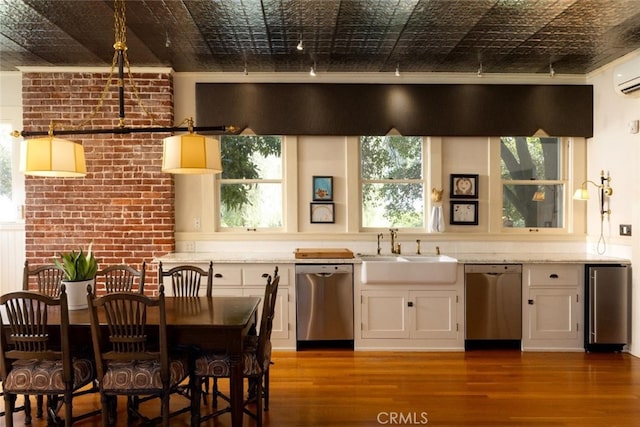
x=604, y=189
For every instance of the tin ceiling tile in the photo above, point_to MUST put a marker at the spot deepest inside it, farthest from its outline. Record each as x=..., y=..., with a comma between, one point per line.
x=339, y=35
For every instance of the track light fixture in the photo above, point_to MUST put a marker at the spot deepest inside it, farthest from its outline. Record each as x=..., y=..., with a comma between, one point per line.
x=552, y=72
x=479, y=73
x=312, y=71
x=398, y=70
x=300, y=46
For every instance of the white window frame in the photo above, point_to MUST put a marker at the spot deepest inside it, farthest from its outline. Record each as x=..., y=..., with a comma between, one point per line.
x=570, y=151
x=283, y=187
x=425, y=180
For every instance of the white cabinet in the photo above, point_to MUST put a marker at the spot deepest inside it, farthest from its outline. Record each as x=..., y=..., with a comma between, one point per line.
x=409, y=314
x=552, y=307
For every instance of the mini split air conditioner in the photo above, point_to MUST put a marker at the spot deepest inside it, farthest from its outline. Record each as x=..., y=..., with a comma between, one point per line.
x=626, y=77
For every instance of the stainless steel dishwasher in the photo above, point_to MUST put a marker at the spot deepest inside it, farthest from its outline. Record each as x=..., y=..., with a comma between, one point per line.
x=493, y=305
x=324, y=305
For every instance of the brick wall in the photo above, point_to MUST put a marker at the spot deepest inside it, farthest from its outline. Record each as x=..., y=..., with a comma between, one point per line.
x=125, y=203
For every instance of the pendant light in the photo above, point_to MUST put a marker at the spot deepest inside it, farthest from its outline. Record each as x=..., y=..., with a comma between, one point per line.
x=52, y=157
x=191, y=153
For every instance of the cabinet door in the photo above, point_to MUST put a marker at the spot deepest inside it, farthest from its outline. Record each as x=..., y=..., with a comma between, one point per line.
x=433, y=314
x=383, y=314
x=553, y=314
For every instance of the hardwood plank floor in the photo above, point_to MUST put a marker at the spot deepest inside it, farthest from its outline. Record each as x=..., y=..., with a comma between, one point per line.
x=341, y=388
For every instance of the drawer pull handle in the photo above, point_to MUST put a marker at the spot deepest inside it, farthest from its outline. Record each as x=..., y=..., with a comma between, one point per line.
x=553, y=276
x=217, y=275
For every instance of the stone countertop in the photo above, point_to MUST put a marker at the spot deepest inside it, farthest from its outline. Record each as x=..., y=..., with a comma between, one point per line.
x=466, y=258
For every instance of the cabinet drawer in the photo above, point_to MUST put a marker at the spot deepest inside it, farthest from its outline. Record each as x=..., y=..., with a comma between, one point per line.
x=553, y=275
x=227, y=276
x=256, y=274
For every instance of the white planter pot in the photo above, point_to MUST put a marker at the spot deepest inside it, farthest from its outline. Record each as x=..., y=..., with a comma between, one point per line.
x=77, y=293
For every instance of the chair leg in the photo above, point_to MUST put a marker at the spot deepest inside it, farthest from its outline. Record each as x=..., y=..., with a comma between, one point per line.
x=165, y=409
x=214, y=393
x=196, y=392
x=259, y=407
x=27, y=410
x=68, y=408
x=9, y=405
x=265, y=391
x=39, y=405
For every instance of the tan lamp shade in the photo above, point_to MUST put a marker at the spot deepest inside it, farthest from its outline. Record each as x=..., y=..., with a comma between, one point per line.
x=191, y=154
x=52, y=157
x=581, y=194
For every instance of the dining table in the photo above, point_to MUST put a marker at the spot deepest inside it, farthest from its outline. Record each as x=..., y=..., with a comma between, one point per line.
x=217, y=323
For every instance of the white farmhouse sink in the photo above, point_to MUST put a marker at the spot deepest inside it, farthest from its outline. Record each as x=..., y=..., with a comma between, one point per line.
x=409, y=269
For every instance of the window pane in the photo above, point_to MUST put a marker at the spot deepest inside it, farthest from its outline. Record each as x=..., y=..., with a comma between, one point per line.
x=391, y=157
x=251, y=157
x=251, y=205
x=537, y=206
x=392, y=205
x=530, y=158
x=251, y=182
x=7, y=207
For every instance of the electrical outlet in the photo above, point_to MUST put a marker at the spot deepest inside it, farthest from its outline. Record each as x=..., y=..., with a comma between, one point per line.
x=190, y=246
x=625, y=229
x=196, y=223
x=634, y=126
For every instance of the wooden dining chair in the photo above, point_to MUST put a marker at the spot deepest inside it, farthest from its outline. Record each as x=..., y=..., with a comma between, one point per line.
x=121, y=278
x=44, y=279
x=35, y=360
x=186, y=279
x=256, y=362
x=132, y=358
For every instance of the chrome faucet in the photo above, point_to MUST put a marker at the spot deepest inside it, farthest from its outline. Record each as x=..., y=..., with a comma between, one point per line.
x=395, y=247
x=380, y=236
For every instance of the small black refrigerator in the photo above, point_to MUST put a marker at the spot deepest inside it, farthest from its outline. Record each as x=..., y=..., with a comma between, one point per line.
x=608, y=306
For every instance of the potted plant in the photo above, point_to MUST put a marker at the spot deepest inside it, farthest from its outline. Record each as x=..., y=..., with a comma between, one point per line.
x=80, y=270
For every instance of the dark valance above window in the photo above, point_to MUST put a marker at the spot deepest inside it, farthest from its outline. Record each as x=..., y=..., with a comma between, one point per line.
x=412, y=109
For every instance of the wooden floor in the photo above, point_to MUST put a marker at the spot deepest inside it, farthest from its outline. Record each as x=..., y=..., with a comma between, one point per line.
x=477, y=388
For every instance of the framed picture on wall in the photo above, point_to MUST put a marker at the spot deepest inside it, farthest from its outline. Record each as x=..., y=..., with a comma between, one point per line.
x=464, y=213
x=323, y=213
x=464, y=186
x=322, y=188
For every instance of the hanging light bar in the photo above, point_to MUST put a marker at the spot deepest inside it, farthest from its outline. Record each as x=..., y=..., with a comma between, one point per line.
x=55, y=156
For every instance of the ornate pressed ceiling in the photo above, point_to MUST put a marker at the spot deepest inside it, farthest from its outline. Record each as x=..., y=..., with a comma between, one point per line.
x=504, y=36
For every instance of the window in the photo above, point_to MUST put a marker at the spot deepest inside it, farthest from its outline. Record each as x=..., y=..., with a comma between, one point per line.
x=8, y=184
x=533, y=190
x=392, y=183
x=250, y=187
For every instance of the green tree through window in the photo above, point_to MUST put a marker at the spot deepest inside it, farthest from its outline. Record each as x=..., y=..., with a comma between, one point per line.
x=392, y=181
x=250, y=186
